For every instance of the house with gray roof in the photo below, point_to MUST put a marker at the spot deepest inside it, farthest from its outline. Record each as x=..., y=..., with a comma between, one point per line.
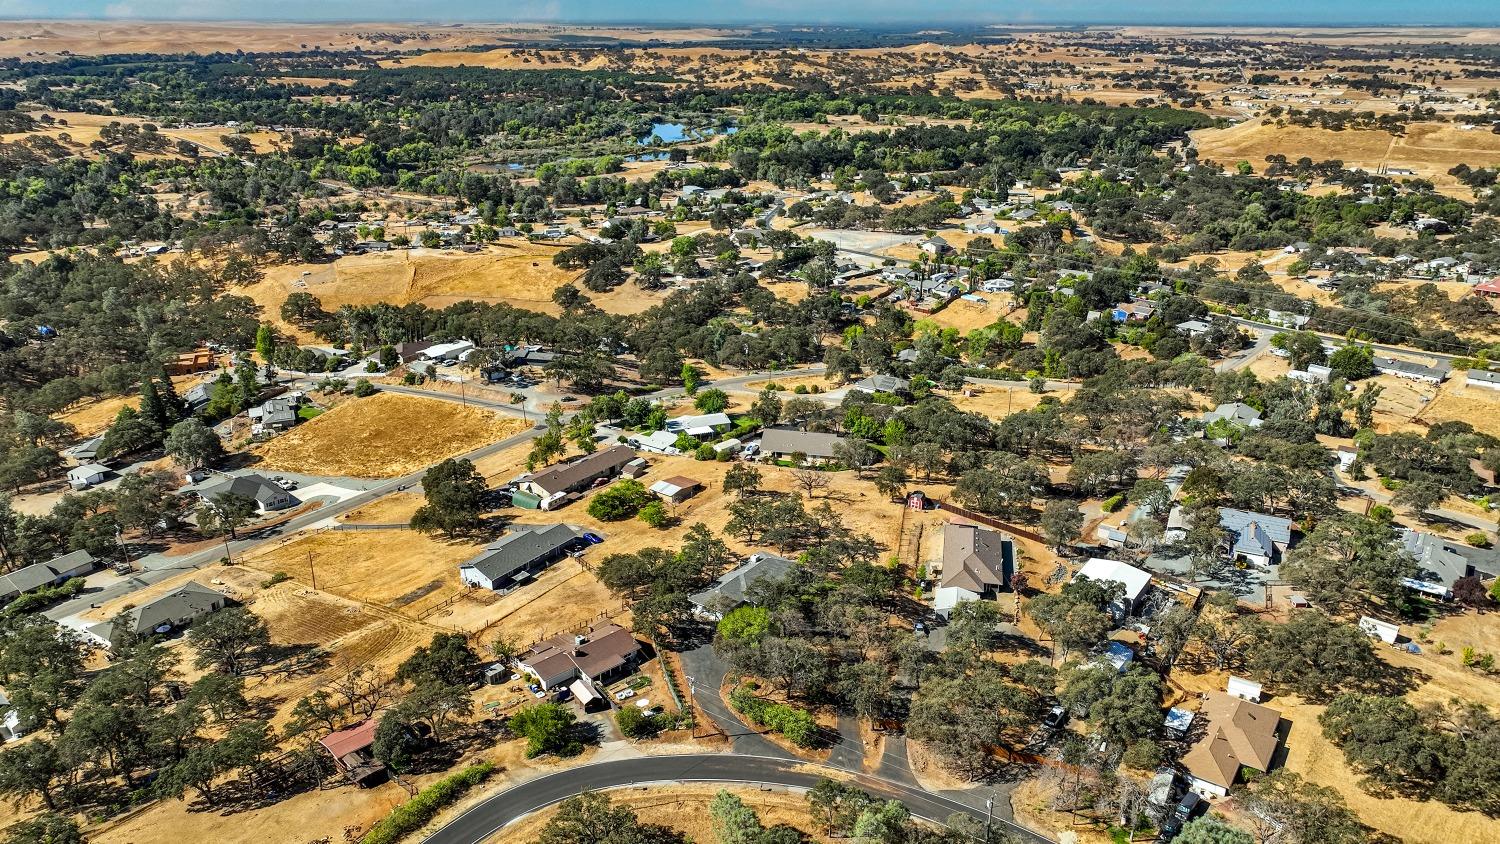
x=1255, y=537
x=268, y=497
x=1235, y=413
x=782, y=443
x=515, y=557
x=733, y=587
x=882, y=384
x=1433, y=373
x=178, y=608
x=51, y=573
x=1442, y=561
x=276, y=414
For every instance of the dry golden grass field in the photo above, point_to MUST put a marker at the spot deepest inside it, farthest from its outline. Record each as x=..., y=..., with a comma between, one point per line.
x=384, y=436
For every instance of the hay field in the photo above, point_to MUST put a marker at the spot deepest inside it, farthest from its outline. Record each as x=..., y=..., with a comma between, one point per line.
x=1455, y=402
x=399, y=569
x=517, y=273
x=384, y=436
x=1430, y=149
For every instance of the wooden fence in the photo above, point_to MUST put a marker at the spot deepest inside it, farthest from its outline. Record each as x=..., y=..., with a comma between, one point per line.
x=993, y=522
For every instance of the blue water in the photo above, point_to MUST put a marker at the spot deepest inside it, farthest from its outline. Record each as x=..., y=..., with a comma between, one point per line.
x=649, y=156
x=671, y=133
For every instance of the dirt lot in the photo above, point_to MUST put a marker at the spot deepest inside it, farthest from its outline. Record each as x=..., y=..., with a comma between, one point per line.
x=384, y=436
x=398, y=569
x=967, y=315
x=515, y=271
x=685, y=809
x=93, y=416
x=1477, y=406
x=996, y=402
x=1429, y=149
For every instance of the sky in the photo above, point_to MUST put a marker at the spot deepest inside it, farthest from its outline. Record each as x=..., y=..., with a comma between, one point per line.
x=847, y=12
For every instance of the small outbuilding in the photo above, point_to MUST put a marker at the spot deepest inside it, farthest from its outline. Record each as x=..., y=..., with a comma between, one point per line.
x=676, y=489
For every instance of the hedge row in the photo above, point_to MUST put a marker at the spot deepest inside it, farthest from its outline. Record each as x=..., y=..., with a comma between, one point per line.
x=416, y=812
x=797, y=725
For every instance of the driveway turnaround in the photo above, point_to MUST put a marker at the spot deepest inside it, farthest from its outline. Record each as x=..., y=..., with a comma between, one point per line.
x=489, y=817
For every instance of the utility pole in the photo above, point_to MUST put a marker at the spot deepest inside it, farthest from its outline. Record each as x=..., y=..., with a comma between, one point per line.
x=312, y=571
x=989, y=812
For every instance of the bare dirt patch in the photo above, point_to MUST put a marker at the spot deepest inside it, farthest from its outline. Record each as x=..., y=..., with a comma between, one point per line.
x=685, y=809
x=384, y=436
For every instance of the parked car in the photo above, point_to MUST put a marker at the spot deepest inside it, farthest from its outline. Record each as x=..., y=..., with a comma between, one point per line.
x=1186, y=809
x=1055, y=717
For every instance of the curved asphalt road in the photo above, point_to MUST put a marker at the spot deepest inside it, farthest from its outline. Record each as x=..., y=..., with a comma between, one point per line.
x=495, y=813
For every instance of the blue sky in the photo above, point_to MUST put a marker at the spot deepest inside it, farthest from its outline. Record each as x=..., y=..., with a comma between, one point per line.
x=851, y=12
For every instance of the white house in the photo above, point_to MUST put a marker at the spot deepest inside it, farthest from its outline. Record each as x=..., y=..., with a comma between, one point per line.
x=1136, y=582
x=1483, y=379
x=87, y=475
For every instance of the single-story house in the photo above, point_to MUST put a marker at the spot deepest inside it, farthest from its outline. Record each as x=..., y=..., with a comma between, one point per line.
x=656, y=442
x=782, y=443
x=411, y=350
x=1255, y=537
x=1112, y=536
x=554, y=483
x=447, y=351
x=676, y=489
x=1235, y=413
x=353, y=753
x=1192, y=327
x=51, y=573
x=1132, y=311
x=87, y=475
x=276, y=414
x=706, y=425
x=603, y=654
x=1489, y=288
x=882, y=384
x=1482, y=378
x=1240, y=735
x=732, y=587
x=514, y=557
x=1442, y=561
x=197, y=397
x=1314, y=374
x=1429, y=373
x=87, y=450
x=268, y=497
x=178, y=608
x=977, y=564
x=1136, y=582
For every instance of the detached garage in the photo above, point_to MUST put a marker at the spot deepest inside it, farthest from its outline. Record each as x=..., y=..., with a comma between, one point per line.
x=676, y=489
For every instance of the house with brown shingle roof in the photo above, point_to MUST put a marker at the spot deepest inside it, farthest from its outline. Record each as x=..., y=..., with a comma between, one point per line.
x=1240, y=734
x=977, y=564
x=601, y=655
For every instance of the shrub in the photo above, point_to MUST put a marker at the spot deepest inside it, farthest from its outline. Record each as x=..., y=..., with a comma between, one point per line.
x=1113, y=503
x=797, y=725
x=363, y=388
x=1478, y=539
x=620, y=501
x=41, y=598
x=278, y=577
x=704, y=452
x=800, y=389
x=636, y=724
x=416, y=812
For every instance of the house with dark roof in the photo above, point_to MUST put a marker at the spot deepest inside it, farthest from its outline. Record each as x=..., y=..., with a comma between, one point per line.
x=515, y=557
x=553, y=484
x=51, y=573
x=276, y=414
x=178, y=608
x=732, y=587
x=782, y=443
x=1433, y=373
x=977, y=564
x=1255, y=537
x=268, y=497
x=882, y=384
x=1240, y=735
x=1442, y=561
x=1235, y=413
x=602, y=655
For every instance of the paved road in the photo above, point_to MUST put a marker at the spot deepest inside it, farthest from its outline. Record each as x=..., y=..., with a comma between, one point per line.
x=1379, y=347
x=157, y=568
x=489, y=817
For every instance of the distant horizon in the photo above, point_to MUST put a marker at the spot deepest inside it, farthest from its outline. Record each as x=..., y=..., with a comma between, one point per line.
x=858, y=14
